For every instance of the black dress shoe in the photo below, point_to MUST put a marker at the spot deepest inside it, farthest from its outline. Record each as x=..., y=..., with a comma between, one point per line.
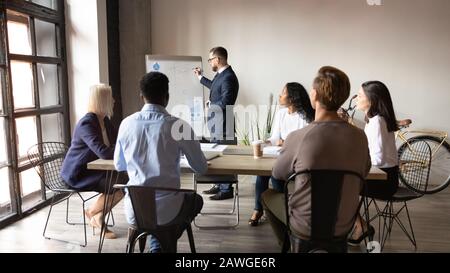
x=222, y=195
x=369, y=233
x=213, y=190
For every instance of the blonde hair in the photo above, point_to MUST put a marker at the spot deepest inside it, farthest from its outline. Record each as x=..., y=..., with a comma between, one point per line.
x=101, y=100
x=332, y=87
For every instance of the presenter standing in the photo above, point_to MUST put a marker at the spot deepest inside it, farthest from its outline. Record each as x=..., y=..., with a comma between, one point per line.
x=223, y=94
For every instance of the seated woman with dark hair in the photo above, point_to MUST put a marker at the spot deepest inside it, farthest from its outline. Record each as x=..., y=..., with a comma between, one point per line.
x=94, y=137
x=375, y=101
x=296, y=114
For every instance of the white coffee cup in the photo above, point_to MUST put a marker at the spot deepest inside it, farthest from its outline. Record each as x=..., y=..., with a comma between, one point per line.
x=257, y=148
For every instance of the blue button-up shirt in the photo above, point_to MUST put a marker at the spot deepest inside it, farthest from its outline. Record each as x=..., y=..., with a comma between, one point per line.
x=149, y=146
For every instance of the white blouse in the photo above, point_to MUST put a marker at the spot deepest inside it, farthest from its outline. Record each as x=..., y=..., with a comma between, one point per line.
x=383, y=152
x=285, y=123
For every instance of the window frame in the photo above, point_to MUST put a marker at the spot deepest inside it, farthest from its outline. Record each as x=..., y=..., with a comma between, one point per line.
x=56, y=17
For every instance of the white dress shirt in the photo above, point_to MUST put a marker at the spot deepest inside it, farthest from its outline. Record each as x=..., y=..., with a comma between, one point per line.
x=147, y=150
x=285, y=123
x=383, y=152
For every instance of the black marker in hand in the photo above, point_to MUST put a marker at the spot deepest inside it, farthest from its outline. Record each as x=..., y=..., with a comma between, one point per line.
x=197, y=71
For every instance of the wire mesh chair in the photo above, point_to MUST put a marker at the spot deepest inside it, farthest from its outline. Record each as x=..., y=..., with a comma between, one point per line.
x=415, y=163
x=47, y=159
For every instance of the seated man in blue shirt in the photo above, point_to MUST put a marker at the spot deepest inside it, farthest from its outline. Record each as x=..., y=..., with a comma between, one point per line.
x=148, y=147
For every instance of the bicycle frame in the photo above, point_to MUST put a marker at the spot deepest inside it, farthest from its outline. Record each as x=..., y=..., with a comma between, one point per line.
x=400, y=134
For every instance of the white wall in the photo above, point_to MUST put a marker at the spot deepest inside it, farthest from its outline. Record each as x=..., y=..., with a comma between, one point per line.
x=404, y=43
x=87, y=55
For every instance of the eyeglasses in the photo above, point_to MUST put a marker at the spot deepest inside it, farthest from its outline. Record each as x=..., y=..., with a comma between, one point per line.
x=210, y=59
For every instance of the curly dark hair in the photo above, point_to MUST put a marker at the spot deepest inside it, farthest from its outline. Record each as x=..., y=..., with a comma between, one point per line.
x=298, y=97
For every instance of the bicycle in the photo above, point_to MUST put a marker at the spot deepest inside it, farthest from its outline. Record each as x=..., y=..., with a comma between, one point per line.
x=437, y=140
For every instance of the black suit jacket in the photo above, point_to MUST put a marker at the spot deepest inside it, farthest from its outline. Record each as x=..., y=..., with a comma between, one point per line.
x=224, y=91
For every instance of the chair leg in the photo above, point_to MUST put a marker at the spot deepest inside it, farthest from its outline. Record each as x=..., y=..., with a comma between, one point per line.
x=142, y=241
x=132, y=236
x=286, y=243
x=67, y=212
x=234, y=211
x=191, y=238
x=387, y=223
x=411, y=227
x=411, y=236
x=48, y=217
x=389, y=216
x=167, y=240
x=84, y=224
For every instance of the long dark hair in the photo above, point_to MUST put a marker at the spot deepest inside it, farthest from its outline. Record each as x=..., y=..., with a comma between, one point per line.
x=299, y=99
x=380, y=103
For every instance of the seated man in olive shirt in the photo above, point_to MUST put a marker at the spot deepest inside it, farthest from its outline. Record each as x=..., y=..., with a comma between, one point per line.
x=327, y=143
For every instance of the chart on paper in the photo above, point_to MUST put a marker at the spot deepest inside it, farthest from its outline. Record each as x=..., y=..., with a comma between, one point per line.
x=186, y=93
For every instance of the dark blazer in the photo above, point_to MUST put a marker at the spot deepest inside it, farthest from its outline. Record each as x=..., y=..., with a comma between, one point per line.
x=87, y=145
x=224, y=91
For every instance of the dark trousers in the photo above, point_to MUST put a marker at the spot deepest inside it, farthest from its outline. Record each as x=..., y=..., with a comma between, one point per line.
x=274, y=208
x=262, y=184
x=383, y=189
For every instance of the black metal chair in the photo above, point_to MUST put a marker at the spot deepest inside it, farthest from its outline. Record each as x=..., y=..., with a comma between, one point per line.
x=217, y=179
x=47, y=159
x=326, y=193
x=144, y=208
x=414, y=168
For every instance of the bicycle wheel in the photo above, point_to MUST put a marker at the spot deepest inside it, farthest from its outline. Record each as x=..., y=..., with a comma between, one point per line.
x=440, y=163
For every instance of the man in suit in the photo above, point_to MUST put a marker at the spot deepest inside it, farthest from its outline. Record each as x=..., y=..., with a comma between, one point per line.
x=224, y=90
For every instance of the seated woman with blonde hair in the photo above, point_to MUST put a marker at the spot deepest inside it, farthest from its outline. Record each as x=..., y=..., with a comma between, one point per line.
x=94, y=138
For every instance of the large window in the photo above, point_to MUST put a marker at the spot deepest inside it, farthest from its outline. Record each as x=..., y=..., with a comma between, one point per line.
x=33, y=98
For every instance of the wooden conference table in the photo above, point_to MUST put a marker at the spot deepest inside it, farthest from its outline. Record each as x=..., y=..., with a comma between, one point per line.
x=235, y=160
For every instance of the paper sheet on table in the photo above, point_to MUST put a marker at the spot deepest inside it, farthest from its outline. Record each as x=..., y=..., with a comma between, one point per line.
x=213, y=147
x=271, y=151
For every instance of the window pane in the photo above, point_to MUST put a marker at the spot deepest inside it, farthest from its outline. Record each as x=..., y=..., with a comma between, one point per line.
x=46, y=3
x=45, y=38
x=5, y=199
x=19, y=38
x=30, y=182
x=22, y=84
x=26, y=136
x=48, y=84
x=52, y=128
x=3, y=150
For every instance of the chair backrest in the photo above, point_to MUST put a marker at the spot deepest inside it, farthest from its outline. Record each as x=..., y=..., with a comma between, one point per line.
x=143, y=200
x=326, y=193
x=415, y=164
x=47, y=159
